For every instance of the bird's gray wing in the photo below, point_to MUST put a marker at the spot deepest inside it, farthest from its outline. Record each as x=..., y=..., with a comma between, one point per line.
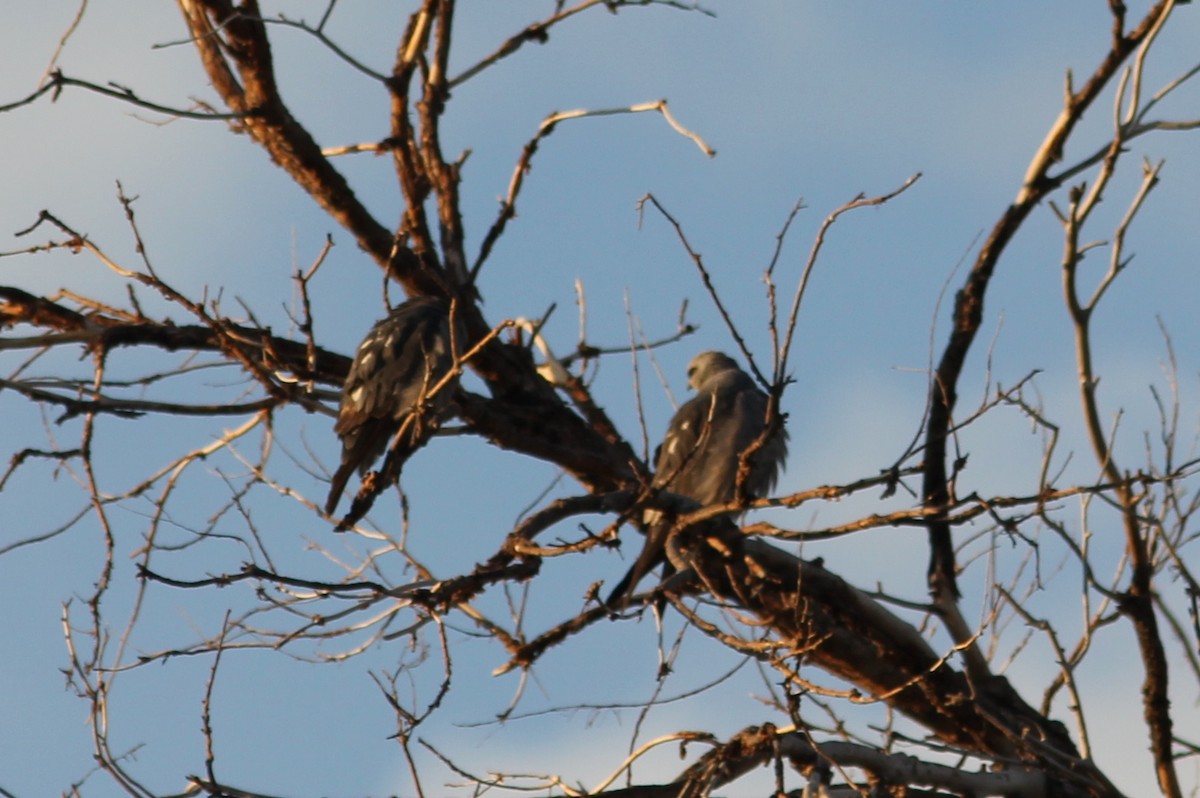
x=711, y=438
x=683, y=445
x=399, y=360
x=398, y=363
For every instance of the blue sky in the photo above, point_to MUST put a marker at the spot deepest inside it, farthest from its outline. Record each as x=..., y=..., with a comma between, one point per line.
x=812, y=101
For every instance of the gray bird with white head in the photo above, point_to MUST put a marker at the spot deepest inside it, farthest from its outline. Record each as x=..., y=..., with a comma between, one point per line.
x=700, y=455
x=391, y=384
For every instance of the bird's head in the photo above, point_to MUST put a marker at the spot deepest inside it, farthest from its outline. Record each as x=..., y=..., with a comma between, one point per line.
x=707, y=365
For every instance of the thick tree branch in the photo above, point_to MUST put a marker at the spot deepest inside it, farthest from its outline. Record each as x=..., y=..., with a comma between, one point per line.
x=236, y=54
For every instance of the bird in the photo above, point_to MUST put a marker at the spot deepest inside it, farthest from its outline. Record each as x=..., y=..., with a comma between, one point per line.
x=700, y=454
x=391, y=384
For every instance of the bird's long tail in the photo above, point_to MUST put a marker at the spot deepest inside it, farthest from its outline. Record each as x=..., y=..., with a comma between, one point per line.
x=653, y=552
x=338, y=484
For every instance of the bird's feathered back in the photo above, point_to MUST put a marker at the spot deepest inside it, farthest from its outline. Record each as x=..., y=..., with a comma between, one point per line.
x=393, y=377
x=702, y=450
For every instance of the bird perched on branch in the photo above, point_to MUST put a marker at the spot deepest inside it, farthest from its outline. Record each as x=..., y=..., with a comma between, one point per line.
x=703, y=448
x=397, y=384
